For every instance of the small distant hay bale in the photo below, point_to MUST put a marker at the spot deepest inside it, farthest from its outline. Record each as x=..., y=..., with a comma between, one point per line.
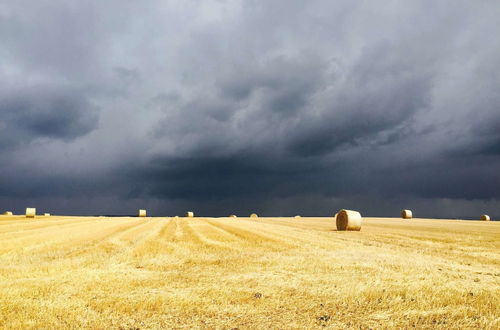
x=7, y=213
x=297, y=216
x=176, y=216
x=254, y=215
x=30, y=212
x=485, y=217
x=233, y=216
x=348, y=220
x=189, y=214
x=46, y=214
x=406, y=214
x=142, y=213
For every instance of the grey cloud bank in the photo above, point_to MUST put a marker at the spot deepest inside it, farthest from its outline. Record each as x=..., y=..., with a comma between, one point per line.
x=278, y=107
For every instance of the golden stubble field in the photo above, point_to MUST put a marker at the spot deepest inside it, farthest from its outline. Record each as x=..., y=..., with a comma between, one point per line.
x=226, y=273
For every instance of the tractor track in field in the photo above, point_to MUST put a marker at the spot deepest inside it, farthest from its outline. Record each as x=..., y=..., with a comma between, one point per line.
x=76, y=244
x=200, y=231
x=40, y=223
x=109, y=243
x=43, y=226
x=251, y=236
x=157, y=243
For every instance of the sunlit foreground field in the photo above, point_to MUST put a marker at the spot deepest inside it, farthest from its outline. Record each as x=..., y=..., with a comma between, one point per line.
x=70, y=272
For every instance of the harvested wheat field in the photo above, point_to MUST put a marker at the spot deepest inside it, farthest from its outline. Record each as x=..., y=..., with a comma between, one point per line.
x=131, y=273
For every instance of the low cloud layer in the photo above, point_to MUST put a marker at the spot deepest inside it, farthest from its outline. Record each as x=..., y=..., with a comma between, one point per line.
x=282, y=107
x=39, y=112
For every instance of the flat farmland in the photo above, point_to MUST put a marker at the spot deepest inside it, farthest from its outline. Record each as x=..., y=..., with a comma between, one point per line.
x=227, y=273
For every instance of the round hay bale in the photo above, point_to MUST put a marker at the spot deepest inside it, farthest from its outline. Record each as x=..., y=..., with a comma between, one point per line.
x=406, y=214
x=176, y=217
x=7, y=213
x=233, y=216
x=142, y=213
x=46, y=214
x=297, y=216
x=349, y=220
x=254, y=215
x=485, y=217
x=189, y=214
x=30, y=212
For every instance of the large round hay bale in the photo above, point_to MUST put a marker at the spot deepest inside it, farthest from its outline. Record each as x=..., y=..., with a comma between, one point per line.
x=7, y=213
x=485, y=217
x=349, y=220
x=30, y=212
x=297, y=216
x=254, y=215
x=142, y=213
x=189, y=214
x=406, y=214
x=46, y=214
x=233, y=216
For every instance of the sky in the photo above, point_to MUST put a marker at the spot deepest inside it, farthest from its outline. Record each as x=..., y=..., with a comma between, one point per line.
x=231, y=107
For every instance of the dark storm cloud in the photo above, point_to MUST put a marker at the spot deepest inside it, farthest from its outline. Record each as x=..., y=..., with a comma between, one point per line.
x=41, y=112
x=242, y=176
x=277, y=106
x=376, y=96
